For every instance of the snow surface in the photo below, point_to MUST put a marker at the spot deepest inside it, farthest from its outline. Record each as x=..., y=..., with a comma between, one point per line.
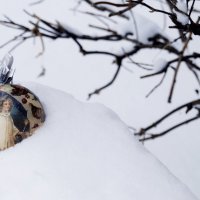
x=83, y=152
x=182, y=11
x=149, y=29
x=159, y=65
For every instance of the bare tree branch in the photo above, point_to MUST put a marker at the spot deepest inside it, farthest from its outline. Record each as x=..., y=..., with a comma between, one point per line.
x=40, y=28
x=188, y=106
x=154, y=136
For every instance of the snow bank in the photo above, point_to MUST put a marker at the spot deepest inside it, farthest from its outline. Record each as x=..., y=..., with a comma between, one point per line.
x=83, y=152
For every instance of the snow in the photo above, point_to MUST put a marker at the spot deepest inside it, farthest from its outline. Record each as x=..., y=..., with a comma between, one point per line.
x=148, y=30
x=69, y=28
x=83, y=152
x=81, y=75
x=159, y=65
x=182, y=11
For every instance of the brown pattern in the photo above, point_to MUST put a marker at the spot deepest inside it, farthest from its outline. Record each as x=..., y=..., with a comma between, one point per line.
x=31, y=104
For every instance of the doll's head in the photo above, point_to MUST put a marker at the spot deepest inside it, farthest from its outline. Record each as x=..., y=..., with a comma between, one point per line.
x=6, y=104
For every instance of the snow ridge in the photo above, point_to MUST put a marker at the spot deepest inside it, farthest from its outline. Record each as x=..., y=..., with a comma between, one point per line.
x=83, y=152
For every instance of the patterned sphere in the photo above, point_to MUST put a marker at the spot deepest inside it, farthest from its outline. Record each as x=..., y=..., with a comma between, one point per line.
x=21, y=113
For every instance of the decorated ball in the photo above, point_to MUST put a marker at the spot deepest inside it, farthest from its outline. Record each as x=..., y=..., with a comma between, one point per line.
x=21, y=111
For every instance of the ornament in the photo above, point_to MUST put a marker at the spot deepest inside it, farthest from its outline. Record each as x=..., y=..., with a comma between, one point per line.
x=21, y=111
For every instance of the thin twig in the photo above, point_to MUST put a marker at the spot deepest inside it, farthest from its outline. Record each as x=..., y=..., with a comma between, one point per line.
x=192, y=8
x=178, y=66
x=156, y=86
x=36, y=2
x=187, y=105
x=97, y=91
x=154, y=136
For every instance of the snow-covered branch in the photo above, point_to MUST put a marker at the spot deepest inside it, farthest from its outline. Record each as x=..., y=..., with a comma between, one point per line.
x=128, y=30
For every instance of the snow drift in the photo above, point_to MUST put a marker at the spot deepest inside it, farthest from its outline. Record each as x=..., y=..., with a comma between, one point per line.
x=83, y=152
